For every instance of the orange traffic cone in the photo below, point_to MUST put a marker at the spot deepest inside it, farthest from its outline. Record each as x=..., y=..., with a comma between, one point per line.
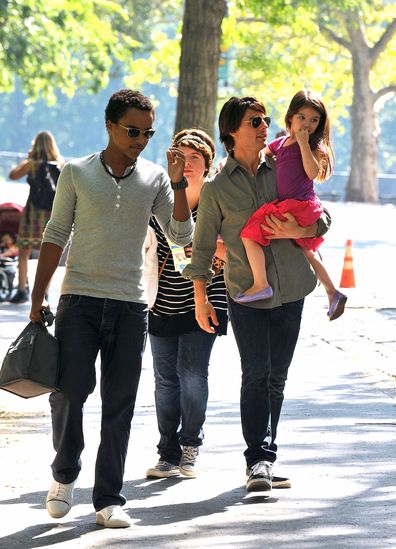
x=348, y=277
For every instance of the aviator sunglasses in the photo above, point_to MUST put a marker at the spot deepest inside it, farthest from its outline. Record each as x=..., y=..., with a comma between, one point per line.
x=135, y=132
x=256, y=121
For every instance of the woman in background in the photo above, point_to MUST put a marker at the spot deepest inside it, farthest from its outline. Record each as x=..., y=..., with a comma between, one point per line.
x=42, y=167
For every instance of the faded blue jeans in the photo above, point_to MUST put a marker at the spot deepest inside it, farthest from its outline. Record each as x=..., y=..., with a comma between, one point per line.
x=181, y=366
x=266, y=340
x=84, y=327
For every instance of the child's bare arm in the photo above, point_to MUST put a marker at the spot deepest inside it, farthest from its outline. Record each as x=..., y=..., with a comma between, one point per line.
x=311, y=165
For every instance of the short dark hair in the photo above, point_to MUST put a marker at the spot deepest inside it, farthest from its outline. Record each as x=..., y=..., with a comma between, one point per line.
x=231, y=115
x=125, y=99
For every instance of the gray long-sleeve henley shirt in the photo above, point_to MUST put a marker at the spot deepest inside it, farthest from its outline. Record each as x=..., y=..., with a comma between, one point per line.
x=108, y=222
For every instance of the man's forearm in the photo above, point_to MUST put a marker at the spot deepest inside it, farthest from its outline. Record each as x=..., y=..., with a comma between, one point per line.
x=48, y=261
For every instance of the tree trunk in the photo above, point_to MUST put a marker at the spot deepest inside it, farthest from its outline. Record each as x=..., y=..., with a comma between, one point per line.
x=362, y=184
x=199, y=63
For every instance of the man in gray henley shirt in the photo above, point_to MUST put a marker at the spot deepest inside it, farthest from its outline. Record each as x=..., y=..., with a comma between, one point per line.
x=104, y=202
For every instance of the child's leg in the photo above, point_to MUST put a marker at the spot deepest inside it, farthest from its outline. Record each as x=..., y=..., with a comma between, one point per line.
x=321, y=273
x=337, y=300
x=256, y=258
x=260, y=288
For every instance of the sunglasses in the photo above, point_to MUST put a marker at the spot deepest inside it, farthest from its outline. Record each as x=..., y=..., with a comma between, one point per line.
x=135, y=132
x=256, y=121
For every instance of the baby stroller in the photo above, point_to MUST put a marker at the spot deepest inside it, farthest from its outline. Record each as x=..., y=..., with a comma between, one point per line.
x=10, y=214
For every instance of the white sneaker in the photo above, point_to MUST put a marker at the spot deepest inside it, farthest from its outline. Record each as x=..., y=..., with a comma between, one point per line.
x=59, y=499
x=113, y=516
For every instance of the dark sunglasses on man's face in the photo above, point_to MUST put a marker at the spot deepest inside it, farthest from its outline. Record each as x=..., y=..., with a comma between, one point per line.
x=256, y=121
x=135, y=132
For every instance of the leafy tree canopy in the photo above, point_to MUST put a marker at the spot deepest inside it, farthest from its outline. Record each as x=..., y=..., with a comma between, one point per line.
x=59, y=45
x=279, y=47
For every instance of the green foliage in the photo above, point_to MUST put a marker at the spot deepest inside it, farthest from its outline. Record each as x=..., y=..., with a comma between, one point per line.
x=58, y=45
x=280, y=47
x=270, y=49
x=156, y=61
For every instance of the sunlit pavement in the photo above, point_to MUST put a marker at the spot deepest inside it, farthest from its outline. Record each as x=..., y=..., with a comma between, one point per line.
x=336, y=439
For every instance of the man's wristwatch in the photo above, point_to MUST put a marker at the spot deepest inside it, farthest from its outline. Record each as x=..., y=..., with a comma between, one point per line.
x=182, y=184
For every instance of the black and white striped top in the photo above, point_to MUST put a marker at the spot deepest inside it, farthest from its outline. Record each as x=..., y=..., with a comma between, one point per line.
x=176, y=294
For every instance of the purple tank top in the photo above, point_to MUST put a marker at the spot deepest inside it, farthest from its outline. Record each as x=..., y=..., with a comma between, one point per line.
x=291, y=179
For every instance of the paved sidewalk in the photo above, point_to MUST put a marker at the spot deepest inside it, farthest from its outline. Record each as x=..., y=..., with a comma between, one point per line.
x=336, y=442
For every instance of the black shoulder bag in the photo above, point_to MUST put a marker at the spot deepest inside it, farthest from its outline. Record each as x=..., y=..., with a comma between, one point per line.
x=31, y=365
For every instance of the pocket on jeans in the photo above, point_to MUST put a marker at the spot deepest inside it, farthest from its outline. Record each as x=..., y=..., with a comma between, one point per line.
x=135, y=307
x=68, y=301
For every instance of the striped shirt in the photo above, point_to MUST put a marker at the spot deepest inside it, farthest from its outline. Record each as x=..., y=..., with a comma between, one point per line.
x=176, y=294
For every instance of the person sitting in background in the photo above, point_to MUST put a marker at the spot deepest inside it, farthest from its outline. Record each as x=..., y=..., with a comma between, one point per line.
x=8, y=246
x=42, y=167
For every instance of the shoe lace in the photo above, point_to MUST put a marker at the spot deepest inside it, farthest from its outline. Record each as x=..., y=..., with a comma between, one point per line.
x=261, y=468
x=190, y=453
x=61, y=491
x=163, y=465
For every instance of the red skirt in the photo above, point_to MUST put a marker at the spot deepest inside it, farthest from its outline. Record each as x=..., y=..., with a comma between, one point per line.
x=306, y=212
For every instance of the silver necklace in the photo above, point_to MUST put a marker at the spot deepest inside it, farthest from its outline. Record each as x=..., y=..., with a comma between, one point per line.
x=111, y=174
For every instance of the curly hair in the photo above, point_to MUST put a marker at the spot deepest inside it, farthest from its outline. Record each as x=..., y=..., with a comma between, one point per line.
x=198, y=140
x=125, y=99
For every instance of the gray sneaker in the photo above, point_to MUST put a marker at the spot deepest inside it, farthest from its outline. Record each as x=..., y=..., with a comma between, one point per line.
x=163, y=469
x=188, y=459
x=281, y=482
x=259, y=477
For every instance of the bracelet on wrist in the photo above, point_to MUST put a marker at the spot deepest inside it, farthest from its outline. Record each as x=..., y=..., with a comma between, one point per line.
x=178, y=185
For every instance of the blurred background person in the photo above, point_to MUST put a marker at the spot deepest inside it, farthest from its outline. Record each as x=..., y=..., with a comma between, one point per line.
x=42, y=168
x=8, y=246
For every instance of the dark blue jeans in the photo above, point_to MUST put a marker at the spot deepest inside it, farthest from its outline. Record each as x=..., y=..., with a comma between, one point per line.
x=266, y=340
x=181, y=366
x=84, y=327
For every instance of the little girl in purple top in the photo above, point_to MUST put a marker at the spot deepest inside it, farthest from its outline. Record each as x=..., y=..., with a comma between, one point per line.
x=302, y=155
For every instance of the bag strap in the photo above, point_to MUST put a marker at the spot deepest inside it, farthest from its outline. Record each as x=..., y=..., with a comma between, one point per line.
x=163, y=265
x=47, y=317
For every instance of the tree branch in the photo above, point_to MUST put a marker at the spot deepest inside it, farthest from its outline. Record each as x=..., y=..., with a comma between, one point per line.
x=333, y=36
x=388, y=90
x=251, y=20
x=382, y=42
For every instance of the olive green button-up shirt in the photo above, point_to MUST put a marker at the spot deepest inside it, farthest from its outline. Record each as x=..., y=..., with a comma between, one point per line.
x=226, y=203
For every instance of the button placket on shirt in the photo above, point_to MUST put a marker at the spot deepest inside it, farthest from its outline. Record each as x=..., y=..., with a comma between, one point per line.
x=118, y=196
x=262, y=192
